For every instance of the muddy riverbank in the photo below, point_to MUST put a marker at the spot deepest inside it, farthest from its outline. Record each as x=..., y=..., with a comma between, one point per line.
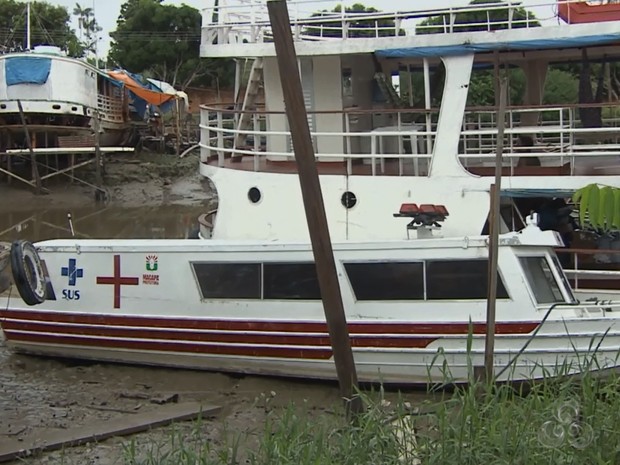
x=146, y=179
x=150, y=196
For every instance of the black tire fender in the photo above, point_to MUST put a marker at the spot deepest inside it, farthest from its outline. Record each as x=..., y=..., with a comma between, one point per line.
x=28, y=272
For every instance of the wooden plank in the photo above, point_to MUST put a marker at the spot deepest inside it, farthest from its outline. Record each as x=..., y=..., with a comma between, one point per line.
x=313, y=205
x=125, y=425
x=67, y=150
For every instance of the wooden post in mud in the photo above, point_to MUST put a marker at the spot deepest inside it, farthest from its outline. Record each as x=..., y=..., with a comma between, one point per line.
x=313, y=204
x=494, y=217
x=33, y=160
x=177, y=122
x=98, y=156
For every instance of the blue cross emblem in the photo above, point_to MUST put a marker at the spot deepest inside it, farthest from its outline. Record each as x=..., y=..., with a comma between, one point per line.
x=72, y=271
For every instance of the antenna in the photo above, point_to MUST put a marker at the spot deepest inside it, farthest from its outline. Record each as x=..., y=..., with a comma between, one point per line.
x=96, y=37
x=28, y=25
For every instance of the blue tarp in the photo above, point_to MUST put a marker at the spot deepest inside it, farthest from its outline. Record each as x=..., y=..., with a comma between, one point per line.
x=551, y=193
x=27, y=70
x=468, y=48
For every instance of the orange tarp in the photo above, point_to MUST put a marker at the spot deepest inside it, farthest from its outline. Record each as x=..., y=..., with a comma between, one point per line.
x=150, y=96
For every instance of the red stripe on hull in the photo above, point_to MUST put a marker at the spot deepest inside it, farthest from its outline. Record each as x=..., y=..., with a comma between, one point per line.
x=175, y=335
x=274, y=352
x=267, y=326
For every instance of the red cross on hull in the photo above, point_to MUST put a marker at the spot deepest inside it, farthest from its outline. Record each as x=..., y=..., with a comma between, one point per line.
x=117, y=281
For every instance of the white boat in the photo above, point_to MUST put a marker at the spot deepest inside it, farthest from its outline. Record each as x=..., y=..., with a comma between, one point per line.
x=254, y=307
x=59, y=96
x=245, y=297
x=377, y=149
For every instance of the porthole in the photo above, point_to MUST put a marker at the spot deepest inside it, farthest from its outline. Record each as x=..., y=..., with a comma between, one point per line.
x=254, y=195
x=348, y=199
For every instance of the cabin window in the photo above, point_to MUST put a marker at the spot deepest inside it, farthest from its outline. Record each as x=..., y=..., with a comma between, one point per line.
x=290, y=281
x=541, y=280
x=563, y=279
x=228, y=280
x=387, y=280
x=460, y=280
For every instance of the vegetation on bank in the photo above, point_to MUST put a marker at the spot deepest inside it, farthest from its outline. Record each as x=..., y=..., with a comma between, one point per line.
x=554, y=422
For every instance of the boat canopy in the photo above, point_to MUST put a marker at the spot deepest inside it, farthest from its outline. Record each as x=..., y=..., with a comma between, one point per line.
x=550, y=193
x=146, y=91
x=517, y=45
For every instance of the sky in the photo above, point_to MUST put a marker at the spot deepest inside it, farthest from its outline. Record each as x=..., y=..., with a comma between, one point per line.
x=107, y=11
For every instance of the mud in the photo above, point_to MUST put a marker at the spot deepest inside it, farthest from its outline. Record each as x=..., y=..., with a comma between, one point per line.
x=149, y=197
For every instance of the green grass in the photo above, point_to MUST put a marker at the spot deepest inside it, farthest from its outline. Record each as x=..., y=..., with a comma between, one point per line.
x=555, y=422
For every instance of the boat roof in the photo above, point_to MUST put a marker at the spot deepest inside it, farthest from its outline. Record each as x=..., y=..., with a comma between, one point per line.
x=243, y=30
x=531, y=236
x=468, y=47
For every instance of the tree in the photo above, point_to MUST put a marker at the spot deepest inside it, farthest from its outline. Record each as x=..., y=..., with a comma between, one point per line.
x=88, y=27
x=49, y=25
x=331, y=26
x=495, y=17
x=163, y=41
x=599, y=206
x=492, y=19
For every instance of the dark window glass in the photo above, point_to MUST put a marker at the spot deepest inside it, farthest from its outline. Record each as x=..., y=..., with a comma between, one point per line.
x=459, y=280
x=387, y=280
x=290, y=281
x=228, y=280
x=541, y=280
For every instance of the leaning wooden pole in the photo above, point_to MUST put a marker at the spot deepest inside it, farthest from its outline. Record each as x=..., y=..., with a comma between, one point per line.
x=494, y=217
x=33, y=159
x=313, y=203
x=98, y=155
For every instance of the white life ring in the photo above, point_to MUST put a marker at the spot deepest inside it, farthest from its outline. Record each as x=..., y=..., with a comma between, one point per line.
x=28, y=272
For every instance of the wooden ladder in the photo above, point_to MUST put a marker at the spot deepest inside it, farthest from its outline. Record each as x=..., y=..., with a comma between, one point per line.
x=387, y=89
x=252, y=90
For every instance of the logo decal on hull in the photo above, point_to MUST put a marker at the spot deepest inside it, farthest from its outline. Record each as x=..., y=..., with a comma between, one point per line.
x=72, y=272
x=117, y=281
x=151, y=263
x=150, y=279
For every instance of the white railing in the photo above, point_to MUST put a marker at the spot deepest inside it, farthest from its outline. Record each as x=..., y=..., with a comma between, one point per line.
x=409, y=138
x=585, y=273
x=239, y=21
x=110, y=108
x=557, y=138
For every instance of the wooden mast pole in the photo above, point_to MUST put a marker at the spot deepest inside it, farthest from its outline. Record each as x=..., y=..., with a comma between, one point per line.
x=313, y=203
x=494, y=223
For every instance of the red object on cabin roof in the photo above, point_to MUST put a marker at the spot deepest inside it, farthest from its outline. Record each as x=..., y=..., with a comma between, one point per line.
x=587, y=12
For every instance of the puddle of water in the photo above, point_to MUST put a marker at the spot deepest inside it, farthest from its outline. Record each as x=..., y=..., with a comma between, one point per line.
x=160, y=222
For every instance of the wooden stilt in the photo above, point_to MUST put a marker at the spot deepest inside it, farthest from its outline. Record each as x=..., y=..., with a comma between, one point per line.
x=98, y=156
x=9, y=178
x=35, y=169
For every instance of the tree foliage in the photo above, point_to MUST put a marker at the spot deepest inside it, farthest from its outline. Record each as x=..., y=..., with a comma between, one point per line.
x=49, y=25
x=163, y=41
x=88, y=28
x=599, y=206
x=332, y=25
x=492, y=19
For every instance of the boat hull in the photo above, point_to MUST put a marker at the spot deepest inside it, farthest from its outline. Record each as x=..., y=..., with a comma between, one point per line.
x=390, y=358
x=142, y=302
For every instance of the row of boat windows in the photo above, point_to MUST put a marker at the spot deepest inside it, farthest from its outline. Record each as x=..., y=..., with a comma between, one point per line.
x=422, y=280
